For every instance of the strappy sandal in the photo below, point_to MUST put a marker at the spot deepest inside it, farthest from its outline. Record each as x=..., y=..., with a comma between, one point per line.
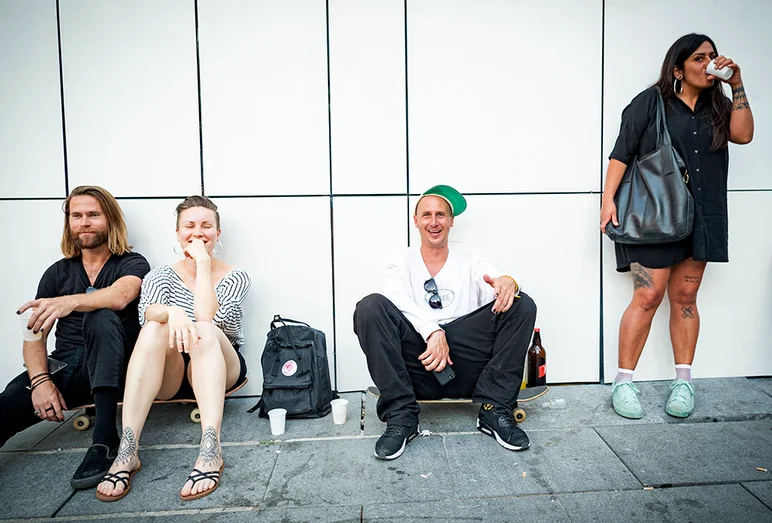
x=124, y=476
x=197, y=476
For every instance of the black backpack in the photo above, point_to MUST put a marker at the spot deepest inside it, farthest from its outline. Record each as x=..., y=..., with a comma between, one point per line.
x=296, y=375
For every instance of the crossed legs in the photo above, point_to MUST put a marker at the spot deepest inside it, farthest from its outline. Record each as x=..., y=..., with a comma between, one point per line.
x=156, y=371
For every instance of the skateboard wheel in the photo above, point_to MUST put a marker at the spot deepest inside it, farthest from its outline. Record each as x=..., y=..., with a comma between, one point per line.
x=519, y=415
x=195, y=415
x=81, y=422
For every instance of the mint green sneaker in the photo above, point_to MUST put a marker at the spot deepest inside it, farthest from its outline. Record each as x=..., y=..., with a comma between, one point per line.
x=624, y=397
x=681, y=401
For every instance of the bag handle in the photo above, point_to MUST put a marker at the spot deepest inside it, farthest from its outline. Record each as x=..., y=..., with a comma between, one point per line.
x=278, y=319
x=663, y=139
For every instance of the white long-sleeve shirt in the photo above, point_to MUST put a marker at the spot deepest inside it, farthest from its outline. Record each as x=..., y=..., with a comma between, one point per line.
x=460, y=284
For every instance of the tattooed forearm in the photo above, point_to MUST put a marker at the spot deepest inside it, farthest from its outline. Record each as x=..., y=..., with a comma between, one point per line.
x=128, y=446
x=209, y=451
x=692, y=279
x=739, y=100
x=642, y=277
x=687, y=313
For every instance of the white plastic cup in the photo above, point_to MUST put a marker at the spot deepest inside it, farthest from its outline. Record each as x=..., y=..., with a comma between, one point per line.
x=277, y=417
x=27, y=333
x=339, y=407
x=724, y=73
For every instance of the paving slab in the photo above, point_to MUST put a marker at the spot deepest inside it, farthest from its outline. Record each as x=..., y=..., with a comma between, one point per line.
x=697, y=503
x=156, y=487
x=64, y=436
x=719, y=399
x=371, y=424
x=693, y=453
x=35, y=485
x=761, y=428
x=533, y=509
x=764, y=384
x=568, y=460
x=327, y=514
x=762, y=490
x=28, y=439
x=320, y=427
x=345, y=472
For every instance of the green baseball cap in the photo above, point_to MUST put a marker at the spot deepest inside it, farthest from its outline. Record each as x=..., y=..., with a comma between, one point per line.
x=454, y=198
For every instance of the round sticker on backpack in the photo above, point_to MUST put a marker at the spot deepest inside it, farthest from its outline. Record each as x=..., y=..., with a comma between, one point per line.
x=289, y=368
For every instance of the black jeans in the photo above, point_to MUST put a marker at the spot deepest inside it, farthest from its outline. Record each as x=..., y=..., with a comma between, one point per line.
x=488, y=352
x=101, y=363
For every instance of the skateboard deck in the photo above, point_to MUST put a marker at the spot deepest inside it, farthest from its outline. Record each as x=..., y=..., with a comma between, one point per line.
x=85, y=420
x=525, y=395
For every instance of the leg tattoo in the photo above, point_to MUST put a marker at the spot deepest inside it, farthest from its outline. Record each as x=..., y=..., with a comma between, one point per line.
x=687, y=313
x=128, y=446
x=209, y=452
x=642, y=277
x=692, y=279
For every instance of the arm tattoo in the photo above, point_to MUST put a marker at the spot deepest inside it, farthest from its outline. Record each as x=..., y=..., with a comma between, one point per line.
x=128, y=446
x=739, y=100
x=687, y=313
x=209, y=451
x=642, y=277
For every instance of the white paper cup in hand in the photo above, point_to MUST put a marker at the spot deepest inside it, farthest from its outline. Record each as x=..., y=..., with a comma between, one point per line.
x=725, y=73
x=27, y=333
x=339, y=407
x=277, y=417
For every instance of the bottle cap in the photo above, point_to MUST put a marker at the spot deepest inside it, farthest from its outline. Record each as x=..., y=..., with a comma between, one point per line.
x=537, y=329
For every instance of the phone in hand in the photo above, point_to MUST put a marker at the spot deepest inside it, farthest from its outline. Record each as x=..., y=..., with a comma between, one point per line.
x=445, y=375
x=54, y=366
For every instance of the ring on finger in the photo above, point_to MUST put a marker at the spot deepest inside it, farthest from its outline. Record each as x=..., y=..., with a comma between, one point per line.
x=50, y=408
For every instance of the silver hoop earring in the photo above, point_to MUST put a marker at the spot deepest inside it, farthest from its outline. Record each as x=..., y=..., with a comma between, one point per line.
x=677, y=88
x=177, y=249
x=215, y=251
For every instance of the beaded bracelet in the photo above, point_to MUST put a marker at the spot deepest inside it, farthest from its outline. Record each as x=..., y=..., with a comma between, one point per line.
x=517, y=287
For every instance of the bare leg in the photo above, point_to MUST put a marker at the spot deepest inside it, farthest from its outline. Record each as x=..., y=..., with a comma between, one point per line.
x=648, y=291
x=214, y=366
x=685, y=280
x=154, y=370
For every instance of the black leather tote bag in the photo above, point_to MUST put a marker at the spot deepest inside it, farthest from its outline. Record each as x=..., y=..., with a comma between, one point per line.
x=653, y=203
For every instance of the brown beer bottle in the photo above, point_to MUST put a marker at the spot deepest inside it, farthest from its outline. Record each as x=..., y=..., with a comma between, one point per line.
x=537, y=362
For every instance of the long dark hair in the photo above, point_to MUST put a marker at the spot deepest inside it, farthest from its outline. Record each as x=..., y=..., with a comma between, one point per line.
x=720, y=107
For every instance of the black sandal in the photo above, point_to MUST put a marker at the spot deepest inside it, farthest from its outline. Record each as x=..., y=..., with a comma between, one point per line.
x=197, y=476
x=114, y=478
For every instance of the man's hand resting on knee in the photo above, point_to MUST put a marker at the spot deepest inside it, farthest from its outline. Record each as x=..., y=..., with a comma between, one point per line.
x=437, y=353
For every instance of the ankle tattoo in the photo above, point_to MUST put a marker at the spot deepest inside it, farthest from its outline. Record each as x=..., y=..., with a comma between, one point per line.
x=128, y=446
x=209, y=452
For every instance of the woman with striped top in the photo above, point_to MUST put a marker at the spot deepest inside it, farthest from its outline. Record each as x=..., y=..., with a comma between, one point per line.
x=191, y=314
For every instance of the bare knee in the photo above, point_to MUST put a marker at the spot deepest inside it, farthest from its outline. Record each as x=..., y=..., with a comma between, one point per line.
x=647, y=299
x=683, y=294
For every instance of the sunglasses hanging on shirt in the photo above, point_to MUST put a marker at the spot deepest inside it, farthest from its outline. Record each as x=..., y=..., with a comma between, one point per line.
x=430, y=286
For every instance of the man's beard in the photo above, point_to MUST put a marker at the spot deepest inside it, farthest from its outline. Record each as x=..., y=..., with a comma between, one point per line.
x=92, y=241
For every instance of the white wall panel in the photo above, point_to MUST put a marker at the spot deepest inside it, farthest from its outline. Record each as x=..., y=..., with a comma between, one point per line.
x=264, y=97
x=33, y=251
x=519, y=233
x=633, y=60
x=504, y=96
x=359, y=260
x=31, y=153
x=131, y=101
x=734, y=302
x=367, y=96
x=284, y=244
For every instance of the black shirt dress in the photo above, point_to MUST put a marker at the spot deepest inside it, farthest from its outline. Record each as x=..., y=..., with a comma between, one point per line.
x=692, y=134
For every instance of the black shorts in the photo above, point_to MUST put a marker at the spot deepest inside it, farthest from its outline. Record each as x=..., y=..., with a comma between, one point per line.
x=186, y=390
x=659, y=256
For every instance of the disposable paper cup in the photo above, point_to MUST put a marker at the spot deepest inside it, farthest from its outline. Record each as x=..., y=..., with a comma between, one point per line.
x=339, y=407
x=277, y=417
x=725, y=73
x=23, y=320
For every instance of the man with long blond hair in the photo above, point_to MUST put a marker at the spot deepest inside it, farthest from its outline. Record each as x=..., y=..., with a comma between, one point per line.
x=92, y=294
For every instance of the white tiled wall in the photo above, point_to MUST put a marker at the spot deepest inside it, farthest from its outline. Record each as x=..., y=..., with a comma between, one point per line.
x=502, y=99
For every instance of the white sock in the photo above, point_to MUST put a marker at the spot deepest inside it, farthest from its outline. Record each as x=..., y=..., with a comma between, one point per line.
x=683, y=371
x=624, y=375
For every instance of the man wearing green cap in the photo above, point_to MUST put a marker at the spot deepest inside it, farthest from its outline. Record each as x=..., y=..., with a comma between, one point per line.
x=445, y=306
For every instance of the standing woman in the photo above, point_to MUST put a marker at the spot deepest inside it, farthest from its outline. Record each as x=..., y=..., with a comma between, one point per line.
x=701, y=120
x=191, y=314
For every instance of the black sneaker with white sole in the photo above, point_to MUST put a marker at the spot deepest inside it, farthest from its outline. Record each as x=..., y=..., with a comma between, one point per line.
x=392, y=443
x=500, y=423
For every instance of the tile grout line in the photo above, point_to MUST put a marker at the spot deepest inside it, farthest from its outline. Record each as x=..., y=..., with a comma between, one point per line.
x=270, y=476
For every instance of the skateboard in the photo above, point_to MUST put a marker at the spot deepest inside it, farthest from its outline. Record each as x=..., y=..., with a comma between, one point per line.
x=526, y=395
x=85, y=420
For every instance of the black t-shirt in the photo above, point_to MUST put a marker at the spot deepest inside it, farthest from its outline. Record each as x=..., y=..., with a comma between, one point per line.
x=692, y=135
x=67, y=276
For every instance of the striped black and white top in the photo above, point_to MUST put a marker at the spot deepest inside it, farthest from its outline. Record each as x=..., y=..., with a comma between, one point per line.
x=164, y=286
